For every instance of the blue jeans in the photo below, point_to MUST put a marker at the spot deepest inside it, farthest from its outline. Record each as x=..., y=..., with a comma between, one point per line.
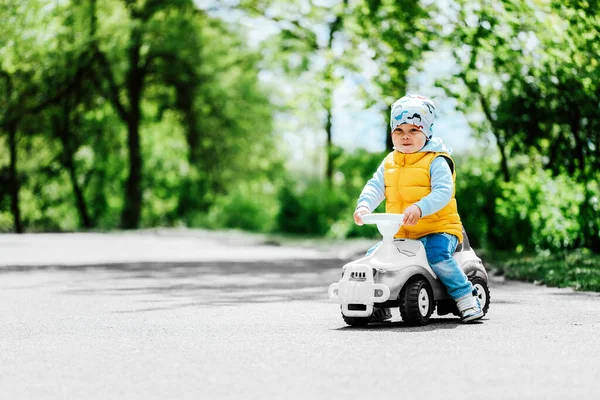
x=439, y=248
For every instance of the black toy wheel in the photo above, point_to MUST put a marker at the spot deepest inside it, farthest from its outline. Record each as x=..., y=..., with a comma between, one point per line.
x=416, y=302
x=356, y=321
x=483, y=292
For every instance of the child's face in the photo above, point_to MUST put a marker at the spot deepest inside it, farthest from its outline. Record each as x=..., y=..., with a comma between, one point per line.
x=407, y=138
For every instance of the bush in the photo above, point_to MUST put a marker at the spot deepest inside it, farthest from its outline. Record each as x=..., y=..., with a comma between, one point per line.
x=312, y=210
x=477, y=187
x=537, y=211
x=326, y=209
x=251, y=207
x=532, y=212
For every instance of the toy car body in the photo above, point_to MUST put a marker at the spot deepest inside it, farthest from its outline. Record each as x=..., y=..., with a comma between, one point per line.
x=397, y=274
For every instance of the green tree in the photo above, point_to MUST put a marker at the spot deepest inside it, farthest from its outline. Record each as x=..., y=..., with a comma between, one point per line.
x=178, y=97
x=315, y=40
x=126, y=63
x=398, y=32
x=32, y=78
x=177, y=46
x=532, y=69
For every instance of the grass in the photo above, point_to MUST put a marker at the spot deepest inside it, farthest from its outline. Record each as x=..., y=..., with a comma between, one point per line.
x=578, y=269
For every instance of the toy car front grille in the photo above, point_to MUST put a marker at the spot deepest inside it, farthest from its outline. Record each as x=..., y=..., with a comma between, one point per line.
x=357, y=307
x=358, y=276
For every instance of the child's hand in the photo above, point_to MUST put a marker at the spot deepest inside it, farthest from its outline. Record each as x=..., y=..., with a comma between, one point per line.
x=412, y=215
x=360, y=211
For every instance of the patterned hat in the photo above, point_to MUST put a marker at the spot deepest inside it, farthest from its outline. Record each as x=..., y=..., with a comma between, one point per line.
x=414, y=109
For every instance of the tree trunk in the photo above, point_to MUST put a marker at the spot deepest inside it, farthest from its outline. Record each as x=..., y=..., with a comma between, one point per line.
x=82, y=209
x=14, y=179
x=132, y=210
x=587, y=214
x=589, y=229
x=500, y=142
x=130, y=217
x=185, y=103
x=503, y=159
x=69, y=164
x=335, y=26
x=329, y=148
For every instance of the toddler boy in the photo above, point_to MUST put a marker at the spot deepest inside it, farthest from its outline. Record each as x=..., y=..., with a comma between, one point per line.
x=417, y=179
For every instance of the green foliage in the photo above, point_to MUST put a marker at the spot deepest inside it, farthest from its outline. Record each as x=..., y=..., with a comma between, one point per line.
x=532, y=69
x=477, y=188
x=322, y=209
x=399, y=34
x=70, y=96
x=309, y=211
x=353, y=172
x=6, y=222
x=166, y=167
x=252, y=207
x=537, y=211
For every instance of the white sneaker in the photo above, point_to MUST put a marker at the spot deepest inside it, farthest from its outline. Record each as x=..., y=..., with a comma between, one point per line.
x=469, y=307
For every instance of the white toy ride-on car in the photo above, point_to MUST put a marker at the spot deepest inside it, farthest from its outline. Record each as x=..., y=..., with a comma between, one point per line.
x=397, y=274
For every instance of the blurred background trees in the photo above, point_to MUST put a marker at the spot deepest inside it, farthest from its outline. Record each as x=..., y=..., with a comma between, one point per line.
x=125, y=114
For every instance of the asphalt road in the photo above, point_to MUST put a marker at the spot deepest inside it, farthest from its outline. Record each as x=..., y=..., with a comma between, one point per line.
x=264, y=329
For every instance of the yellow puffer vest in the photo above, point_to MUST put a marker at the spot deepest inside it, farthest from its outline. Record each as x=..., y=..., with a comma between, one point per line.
x=407, y=180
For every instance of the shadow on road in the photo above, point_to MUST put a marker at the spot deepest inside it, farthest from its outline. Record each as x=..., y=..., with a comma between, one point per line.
x=164, y=286
x=433, y=325
x=577, y=294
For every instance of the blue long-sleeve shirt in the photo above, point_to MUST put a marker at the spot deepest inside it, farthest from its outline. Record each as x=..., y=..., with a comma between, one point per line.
x=442, y=184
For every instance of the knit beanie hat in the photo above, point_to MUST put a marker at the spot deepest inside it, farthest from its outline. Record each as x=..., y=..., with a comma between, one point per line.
x=414, y=109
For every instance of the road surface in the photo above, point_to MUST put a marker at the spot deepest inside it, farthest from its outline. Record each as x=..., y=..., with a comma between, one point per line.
x=245, y=320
